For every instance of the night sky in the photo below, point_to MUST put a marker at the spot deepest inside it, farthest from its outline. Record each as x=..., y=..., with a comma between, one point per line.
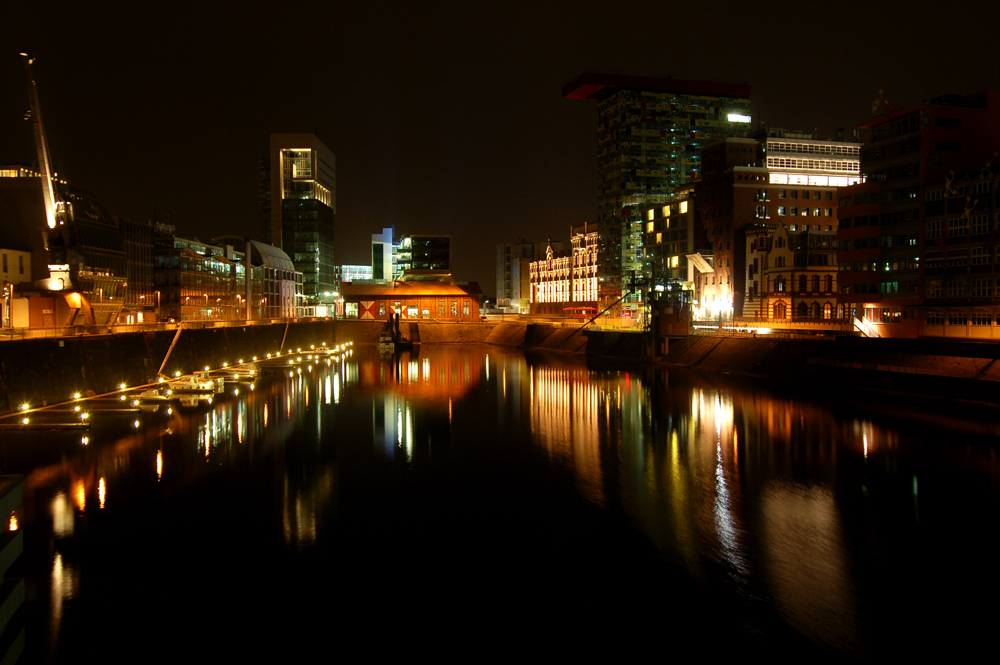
x=445, y=117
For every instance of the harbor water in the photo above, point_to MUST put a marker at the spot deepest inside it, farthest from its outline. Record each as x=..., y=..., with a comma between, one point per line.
x=466, y=501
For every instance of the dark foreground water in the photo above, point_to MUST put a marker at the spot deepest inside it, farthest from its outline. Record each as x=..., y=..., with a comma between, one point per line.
x=465, y=503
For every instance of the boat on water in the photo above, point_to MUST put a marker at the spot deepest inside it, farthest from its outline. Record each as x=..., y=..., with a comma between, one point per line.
x=199, y=383
x=385, y=342
x=156, y=396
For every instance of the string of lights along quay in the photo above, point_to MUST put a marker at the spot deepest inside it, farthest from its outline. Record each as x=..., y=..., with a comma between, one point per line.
x=471, y=495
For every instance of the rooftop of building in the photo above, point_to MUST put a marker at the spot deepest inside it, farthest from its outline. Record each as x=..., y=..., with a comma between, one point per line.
x=411, y=289
x=592, y=85
x=980, y=100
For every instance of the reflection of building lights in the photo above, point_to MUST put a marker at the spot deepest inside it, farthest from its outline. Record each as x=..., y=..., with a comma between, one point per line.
x=62, y=515
x=80, y=495
x=101, y=491
x=12, y=523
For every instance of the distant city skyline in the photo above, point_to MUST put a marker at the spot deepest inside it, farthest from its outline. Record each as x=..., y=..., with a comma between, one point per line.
x=445, y=119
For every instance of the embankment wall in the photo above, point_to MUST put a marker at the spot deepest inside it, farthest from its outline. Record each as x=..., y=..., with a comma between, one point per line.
x=48, y=371
x=39, y=372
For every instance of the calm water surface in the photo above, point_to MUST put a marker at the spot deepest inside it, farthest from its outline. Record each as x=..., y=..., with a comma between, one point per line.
x=469, y=501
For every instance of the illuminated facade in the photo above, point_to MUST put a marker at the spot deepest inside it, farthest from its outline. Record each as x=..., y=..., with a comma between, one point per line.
x=430, y=300
x=196, y=281
x=564, y=281
x=650, y=133
x=303, y=205
x=384, y=256
x=349, y=273
x=15, y=268
x=791, y=272
x=514, y=272
x=917, y=240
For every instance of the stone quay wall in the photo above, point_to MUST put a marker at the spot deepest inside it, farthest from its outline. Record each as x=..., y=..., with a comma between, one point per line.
x=42, y=372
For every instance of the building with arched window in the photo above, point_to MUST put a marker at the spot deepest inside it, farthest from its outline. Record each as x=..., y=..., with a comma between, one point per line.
x=567, y=281
x=791, y=275
x=754, y=185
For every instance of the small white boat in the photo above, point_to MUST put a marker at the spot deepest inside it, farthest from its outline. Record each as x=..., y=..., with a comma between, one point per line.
x=384, y=342
x=196, y=384
x=156, y=395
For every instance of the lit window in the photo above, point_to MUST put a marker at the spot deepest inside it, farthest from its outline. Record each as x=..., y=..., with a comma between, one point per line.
x=673, y=261
x=650, y=214
x=684, y=207
x=649, y=226
x=666, y=211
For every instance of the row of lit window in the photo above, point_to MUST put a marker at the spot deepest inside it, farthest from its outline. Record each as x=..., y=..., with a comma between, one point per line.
x=959, y=318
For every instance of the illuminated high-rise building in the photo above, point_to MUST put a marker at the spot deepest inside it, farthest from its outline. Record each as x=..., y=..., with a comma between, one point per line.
x=303, y=205
x=650, y=132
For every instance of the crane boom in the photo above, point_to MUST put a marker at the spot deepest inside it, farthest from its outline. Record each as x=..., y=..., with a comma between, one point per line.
x=44, y=164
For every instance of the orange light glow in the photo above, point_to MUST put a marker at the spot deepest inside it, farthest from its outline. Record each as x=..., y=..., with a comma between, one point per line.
x=80, y=495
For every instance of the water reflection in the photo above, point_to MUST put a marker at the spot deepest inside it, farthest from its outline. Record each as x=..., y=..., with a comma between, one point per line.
x=797, y=509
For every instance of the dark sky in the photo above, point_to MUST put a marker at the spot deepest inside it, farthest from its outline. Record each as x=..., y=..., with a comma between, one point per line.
x=445, y=117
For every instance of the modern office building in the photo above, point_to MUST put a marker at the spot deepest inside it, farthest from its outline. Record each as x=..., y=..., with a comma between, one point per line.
x=303, y=205
x=677, y=254
x=384, y=256
x=198, y=281
x=140, y=297
x=916, y=241
x=421, y=256
x=650, y=132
